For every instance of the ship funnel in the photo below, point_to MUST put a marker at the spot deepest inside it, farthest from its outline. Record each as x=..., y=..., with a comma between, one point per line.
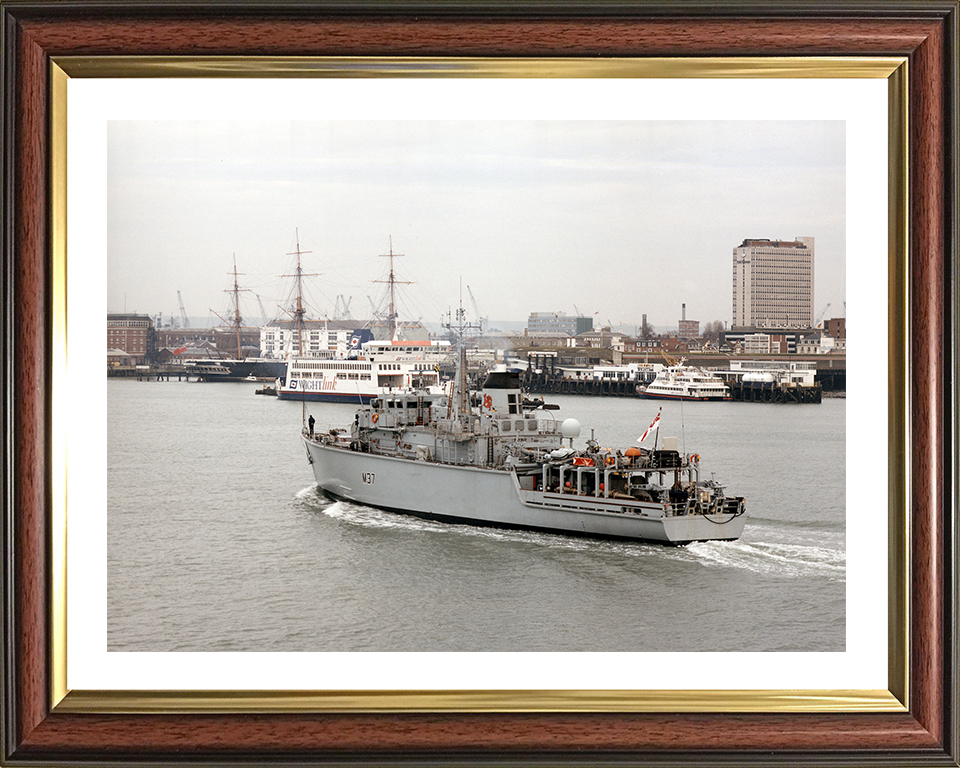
x=501, y=394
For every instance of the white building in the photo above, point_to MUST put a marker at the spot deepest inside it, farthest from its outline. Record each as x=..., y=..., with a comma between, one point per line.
x=818, y=344
x=321, y=338
x=773, y=283
x=558, y=322
x=328, y=338
x=757, y=344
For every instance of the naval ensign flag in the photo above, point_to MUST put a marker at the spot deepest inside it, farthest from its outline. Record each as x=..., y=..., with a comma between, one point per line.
x=656, y=423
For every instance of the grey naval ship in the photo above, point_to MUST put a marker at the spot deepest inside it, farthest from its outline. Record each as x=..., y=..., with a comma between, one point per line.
x=494, y=460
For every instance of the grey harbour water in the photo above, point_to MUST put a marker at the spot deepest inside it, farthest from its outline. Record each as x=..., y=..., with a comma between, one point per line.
x=219, y=541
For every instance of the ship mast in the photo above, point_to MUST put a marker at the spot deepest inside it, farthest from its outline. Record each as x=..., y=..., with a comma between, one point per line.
x=299, y=312
x=461, y=394
x=237, y=320
x=392, y=280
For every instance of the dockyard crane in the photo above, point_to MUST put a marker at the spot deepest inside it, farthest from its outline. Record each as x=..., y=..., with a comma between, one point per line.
x=820, y=316
x=183, y=312
x=341, y=308
x=480, y=319
x=263, y=312
x=373, y=309
x=671, y=361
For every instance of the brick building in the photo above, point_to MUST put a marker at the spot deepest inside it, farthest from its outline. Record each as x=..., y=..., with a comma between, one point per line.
x=132, y=334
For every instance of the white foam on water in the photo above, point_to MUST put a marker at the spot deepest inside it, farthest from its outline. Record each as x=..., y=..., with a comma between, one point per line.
x=769, y=558
x=358, y=514
x=310, y=493
x=370, y=517
x=789, y=561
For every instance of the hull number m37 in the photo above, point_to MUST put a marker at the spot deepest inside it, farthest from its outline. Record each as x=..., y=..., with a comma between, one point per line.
x=368, y=477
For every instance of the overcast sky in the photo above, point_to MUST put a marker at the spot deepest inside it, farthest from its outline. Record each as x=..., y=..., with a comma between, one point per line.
x=616, y=219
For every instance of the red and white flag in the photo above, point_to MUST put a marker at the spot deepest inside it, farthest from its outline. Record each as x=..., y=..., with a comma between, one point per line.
x=656, y=423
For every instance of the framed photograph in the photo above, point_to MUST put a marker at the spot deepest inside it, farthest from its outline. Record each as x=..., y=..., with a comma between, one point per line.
x=84, y=82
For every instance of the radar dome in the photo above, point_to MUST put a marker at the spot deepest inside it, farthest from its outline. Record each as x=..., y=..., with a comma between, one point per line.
x=570, y=428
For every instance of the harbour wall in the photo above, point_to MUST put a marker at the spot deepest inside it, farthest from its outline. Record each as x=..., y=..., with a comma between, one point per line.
x=831, y=378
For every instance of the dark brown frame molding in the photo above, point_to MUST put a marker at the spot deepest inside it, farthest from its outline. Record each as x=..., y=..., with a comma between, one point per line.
x=34, y=32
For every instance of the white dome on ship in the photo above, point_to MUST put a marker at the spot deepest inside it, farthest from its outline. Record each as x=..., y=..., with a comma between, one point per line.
x=570, y=428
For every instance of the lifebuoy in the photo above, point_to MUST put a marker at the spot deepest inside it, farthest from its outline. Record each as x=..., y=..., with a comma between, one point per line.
x=375, y=418
x=609, y=460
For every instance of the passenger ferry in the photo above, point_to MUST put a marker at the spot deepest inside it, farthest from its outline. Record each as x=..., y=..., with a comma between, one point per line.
x=381, y=368
x=685, y=382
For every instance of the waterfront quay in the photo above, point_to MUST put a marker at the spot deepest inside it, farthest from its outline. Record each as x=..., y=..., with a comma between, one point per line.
x=149, y=372
x=830, y=377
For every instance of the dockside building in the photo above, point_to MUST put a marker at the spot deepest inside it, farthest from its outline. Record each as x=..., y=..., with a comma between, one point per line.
x=132, y=334
x=773, y=283
x=558, y=322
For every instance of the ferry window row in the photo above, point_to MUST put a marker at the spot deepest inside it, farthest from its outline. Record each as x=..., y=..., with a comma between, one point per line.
x=334, y=366
x=360, y=376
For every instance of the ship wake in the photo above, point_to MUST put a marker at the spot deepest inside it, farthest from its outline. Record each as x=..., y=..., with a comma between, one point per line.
x=787, y=561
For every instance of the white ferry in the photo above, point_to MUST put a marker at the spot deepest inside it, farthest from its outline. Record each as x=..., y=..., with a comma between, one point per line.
x=685, y=382
x=382, y=367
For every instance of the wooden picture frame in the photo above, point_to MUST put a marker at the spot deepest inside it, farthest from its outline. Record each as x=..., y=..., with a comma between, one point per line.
x=39, y=729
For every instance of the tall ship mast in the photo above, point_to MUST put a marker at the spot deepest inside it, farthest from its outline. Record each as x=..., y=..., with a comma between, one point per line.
x=392, y=282
x=237, y=319
x=241, y=366
x=299, y=312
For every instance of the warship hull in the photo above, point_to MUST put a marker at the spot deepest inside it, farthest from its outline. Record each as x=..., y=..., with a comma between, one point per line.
x=494, y=497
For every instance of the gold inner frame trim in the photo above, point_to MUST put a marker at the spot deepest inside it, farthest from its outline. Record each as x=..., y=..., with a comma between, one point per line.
x=58, y=372
x=297, y=66
x=898, y=414
x=436, y=701
x=893, y=69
